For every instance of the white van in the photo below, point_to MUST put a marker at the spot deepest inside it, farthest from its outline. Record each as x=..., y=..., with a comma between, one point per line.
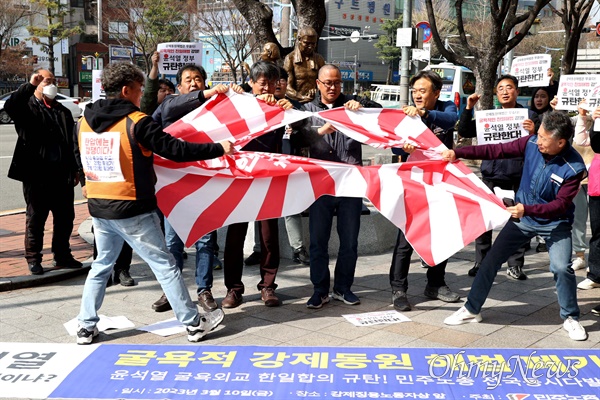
x=458, y=83
x=386, y=95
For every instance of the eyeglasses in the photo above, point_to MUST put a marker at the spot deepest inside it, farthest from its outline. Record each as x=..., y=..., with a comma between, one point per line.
x=329, y=85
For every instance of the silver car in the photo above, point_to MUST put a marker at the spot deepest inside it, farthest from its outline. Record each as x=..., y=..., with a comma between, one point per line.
x=69, y=102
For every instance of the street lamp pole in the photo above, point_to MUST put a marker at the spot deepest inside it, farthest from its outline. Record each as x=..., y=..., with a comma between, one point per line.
x=355, y=75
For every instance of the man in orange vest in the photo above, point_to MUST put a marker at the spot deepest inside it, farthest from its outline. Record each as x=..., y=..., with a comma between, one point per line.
x=116, y=143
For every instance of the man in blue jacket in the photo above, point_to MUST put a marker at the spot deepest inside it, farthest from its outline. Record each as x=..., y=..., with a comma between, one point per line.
x=552, y=172
x=506, y=174
x=440, y=117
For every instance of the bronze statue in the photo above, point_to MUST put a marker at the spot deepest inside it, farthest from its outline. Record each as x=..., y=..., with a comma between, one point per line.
x=302, y=66
x=270, y=53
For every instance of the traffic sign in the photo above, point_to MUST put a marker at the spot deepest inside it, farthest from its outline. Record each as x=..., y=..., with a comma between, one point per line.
x=426, y=30
x=598, y=29
x=355, y=36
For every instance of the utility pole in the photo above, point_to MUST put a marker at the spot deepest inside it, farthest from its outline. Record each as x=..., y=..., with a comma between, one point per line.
x=286, y=31
x=405, y=63
x=355, y=74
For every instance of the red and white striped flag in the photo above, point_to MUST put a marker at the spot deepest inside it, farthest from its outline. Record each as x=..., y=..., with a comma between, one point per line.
x=440, y=206
x=238, y=118
x=384, y=128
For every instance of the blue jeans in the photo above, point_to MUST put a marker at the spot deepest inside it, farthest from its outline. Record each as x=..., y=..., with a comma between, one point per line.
x=144, y=235
x=348, y=225
x=205, y=255
x=514, y=235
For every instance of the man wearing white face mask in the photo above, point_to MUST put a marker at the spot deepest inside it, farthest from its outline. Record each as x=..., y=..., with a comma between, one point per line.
x=44, y=161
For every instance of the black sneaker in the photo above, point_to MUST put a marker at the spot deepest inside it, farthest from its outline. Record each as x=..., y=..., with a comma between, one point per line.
x=124, y=279
x=67, y=263
x=85, y=336
x=253, y=259
x=442, y=293
x=301, y=257
x=541, y=248
x=36, y=268
x=400, y=301
x=317, y=300
x=596, y=311
x=347, y=297
x=516, y=273
x=473, y=271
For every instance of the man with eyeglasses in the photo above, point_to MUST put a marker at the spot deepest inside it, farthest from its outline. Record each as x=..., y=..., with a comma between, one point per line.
x=505, y=173
x=326, y=143
x=44, y=160
x=263, y=81
x=302, y=66
x=440, y=117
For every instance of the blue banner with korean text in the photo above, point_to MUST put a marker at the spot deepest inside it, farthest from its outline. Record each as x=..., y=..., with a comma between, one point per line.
x=288, y=373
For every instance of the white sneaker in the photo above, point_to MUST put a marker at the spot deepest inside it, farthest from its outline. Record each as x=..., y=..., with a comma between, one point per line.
x=579, y=263
x=208, y=322
x=576, y=331
x=588, y=284
x=462, y=316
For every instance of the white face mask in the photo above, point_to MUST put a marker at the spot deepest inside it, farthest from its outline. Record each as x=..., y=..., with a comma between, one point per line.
x=50, y=91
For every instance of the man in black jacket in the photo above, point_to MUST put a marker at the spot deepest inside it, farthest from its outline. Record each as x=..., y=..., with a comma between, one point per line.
x=117, y=142
x=44, y=161
x=326, y=143
x=506, y=174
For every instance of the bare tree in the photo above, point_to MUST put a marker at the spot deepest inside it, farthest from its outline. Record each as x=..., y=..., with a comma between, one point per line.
x=151, y=22
x=230, y=35
x=53, y=30
x=13, y=15
x=260, y=17
x=502, y=17
x=574, y=15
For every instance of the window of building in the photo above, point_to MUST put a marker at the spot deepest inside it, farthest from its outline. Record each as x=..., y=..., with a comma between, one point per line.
x=118, y=30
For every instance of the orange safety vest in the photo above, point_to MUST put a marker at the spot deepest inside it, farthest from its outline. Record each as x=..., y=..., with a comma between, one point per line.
x=103, y=180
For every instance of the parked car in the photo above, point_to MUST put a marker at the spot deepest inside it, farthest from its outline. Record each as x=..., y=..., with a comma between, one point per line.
x=71, y=103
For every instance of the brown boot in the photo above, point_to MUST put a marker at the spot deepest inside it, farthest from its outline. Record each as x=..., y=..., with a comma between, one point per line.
x=162, y=304
x=207, y=301
x=268, y=296
x=232, y=300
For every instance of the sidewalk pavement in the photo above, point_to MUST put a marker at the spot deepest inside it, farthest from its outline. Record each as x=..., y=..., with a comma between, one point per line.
x=14, y=272
x=518, y=314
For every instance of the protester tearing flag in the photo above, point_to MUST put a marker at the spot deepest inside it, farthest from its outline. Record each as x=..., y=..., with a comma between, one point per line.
x=440, y=206
x=231, y=116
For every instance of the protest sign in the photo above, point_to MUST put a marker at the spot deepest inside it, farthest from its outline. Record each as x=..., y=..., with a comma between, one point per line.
x=532, y=70
x=175, y=55
x=574, y=88
x=500, y=126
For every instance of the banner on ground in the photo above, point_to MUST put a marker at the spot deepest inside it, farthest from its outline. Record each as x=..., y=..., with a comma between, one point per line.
x=572, y=89
x=500, y=126
x=175, y=55
x=129, y=371
x=532, y=70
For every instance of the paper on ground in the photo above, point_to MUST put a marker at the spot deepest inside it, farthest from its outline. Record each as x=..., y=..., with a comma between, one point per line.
x=164, y=328
x=104, y=324
x=376, y=318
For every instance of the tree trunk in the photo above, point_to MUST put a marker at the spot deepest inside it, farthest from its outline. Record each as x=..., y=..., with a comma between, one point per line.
x=260, y=17
x=486, y=78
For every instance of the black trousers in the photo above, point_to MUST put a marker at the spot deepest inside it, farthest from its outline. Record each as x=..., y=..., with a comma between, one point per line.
x=483, y=243
x=401, y=263
x=54, y=196
x=123, y=262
